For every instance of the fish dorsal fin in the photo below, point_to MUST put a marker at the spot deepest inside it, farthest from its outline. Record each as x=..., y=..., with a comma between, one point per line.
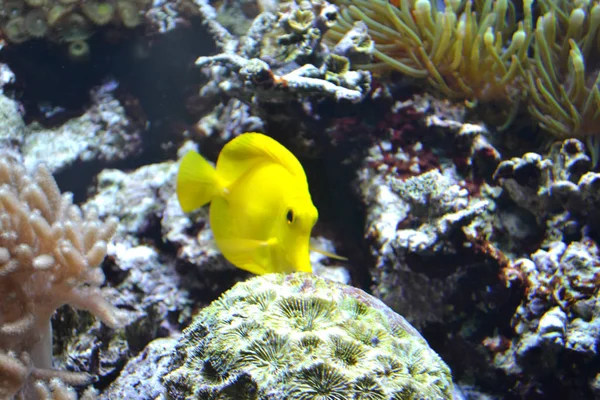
x=250, y=149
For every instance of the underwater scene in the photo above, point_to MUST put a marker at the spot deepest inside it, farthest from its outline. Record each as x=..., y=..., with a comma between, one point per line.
x=299, y=199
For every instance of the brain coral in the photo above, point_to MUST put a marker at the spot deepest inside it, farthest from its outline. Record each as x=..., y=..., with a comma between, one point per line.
x=303, y=337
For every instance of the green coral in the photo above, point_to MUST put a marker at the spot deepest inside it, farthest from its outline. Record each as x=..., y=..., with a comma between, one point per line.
x=66, y=21
x=303, y=337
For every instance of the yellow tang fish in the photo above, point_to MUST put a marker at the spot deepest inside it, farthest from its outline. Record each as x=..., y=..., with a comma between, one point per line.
x=261, y=212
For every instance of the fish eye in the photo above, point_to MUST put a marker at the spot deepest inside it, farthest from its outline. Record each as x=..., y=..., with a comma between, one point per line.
x=289, y=216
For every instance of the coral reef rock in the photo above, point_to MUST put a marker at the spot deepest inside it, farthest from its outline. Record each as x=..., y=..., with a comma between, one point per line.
x=558, y=317
x=410, y=222
x=559, y=189
x=103, y=132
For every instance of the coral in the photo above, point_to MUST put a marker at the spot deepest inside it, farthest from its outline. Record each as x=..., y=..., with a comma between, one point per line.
x=66, y=21
x=100, y=13
x=297, y=35
x=563, y=76
x=236, y=16
x=470, y=50
x=15, y=30
x=35, y=23
x=300, y=336
x=79, y=50
x=264, y=67
x=50, y=254
x=255, y=81
x=356, y=45
x=12, y=124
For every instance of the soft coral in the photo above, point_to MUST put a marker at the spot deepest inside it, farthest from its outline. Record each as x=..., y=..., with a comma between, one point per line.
x=50, y=254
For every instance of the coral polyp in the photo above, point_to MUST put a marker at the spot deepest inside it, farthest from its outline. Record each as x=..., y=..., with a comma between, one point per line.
x=74, y=27
x=101, y=13
x=65, y=21
x=35, y=3
x=35, y=23
x=128, y=13
x=15, y=30
x=295, y=337
x=79, y=50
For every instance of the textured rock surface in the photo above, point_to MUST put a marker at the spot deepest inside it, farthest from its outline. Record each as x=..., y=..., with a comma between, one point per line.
x=558, y=318
x=141, y=377
x=299, y=336
x=421, y=218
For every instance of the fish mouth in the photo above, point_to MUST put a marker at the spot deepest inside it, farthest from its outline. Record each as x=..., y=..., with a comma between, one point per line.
x=301, y=260
x=304, y=266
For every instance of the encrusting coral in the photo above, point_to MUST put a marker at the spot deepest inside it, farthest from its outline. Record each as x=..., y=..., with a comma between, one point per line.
x=303, y=337
x=49, y=256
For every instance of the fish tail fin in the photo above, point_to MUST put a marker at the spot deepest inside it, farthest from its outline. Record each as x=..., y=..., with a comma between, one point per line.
x=197, y=182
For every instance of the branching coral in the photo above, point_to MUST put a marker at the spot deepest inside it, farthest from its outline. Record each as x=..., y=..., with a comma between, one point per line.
x=49, y=256
x=563, y=76
x=472, y=50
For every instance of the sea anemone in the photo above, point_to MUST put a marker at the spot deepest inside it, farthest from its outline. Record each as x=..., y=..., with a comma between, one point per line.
x=35, y=23
x=563, y=76
x=99, y=12
x=470, y=50
x=15, y=30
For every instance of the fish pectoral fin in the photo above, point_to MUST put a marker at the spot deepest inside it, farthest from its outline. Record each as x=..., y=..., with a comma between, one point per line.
x=245, y=254
x=238, y=245
x=327, y=254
